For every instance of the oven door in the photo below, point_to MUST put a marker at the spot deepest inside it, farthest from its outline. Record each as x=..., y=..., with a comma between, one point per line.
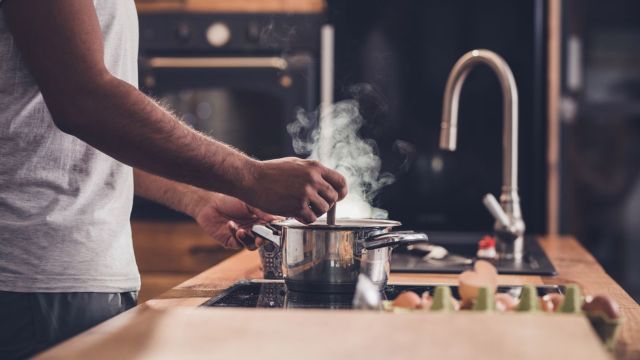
x=245, y=102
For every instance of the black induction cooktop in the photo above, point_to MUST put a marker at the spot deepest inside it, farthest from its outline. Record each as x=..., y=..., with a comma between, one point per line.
x=274, y=294
x=534, y=262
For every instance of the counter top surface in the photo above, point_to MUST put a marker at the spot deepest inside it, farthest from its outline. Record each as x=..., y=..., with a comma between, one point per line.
x=573, y=262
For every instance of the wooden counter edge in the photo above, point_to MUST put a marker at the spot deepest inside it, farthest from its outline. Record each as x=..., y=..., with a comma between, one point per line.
x=234, y=7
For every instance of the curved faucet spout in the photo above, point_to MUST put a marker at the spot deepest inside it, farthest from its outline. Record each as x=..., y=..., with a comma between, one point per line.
x=449, y=132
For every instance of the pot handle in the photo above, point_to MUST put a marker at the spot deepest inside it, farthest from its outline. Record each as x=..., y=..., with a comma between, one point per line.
x=394, y=239
x=267, y=231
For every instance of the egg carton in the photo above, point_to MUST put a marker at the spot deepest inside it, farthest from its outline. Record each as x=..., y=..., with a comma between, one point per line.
x=602, y=312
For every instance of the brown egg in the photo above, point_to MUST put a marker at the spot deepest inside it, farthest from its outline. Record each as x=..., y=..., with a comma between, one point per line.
x=427, y=300
x=466, y=304
x=551, y=302
x=484, y=274
x=602, y=304
x=505, y=302
x=456, y=304
x=408, y=300
x=483, y=266
x=470, y=281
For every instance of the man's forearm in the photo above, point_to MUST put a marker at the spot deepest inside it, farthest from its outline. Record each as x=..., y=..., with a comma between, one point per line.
x=132, y=128
x=178, y=196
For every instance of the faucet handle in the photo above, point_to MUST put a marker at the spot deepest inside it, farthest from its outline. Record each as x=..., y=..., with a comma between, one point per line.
x=496, y=210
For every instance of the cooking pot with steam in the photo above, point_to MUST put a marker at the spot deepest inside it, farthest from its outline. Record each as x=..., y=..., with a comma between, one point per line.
x=328, y=258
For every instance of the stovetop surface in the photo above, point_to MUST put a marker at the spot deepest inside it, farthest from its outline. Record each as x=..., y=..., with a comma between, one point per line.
x=274, y=294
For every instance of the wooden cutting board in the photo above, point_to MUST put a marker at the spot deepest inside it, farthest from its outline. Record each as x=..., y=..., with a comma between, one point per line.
x=319, y=334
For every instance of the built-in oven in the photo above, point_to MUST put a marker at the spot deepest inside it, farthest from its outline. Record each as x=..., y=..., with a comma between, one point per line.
x=237, y=77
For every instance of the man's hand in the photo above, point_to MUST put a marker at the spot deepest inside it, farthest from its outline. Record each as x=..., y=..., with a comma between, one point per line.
x=225, y=218
x=292, y=187
x=229, y=220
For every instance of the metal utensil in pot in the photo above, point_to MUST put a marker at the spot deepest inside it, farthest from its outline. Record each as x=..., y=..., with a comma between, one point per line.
x=328, y=258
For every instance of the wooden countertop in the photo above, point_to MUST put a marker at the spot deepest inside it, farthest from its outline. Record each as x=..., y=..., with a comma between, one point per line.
x=233, y=6
x=573, y=262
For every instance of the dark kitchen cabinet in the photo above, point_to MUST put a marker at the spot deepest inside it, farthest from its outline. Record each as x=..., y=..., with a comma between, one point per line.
x=168, y=253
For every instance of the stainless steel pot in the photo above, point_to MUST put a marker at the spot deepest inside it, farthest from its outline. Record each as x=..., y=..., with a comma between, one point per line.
x=328, y=258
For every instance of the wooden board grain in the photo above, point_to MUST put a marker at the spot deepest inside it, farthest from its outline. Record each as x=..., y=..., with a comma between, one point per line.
x=233, y=6
x=311, y=334
x=154, y=284
x=554, y=73
x=576, y=265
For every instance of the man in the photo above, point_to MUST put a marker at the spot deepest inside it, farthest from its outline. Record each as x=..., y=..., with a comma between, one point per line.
x=76, y=138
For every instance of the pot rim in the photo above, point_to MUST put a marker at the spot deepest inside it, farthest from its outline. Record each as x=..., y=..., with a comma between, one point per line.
x=341, y=224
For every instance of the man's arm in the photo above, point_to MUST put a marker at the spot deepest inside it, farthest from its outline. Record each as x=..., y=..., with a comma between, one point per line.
x=181, y=197
x=61, y=42
x=226, y=219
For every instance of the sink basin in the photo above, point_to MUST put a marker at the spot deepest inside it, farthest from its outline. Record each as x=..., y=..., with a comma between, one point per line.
x=534, y=261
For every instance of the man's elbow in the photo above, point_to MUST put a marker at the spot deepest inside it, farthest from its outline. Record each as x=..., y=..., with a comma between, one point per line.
x=76, y=107
x=63, y=124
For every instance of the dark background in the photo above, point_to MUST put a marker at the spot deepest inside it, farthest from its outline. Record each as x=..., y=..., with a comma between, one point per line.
x=394, y=58
x=600, y=119
x=404, y=51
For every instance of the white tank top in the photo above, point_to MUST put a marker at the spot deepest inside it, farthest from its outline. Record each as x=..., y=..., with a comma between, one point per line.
x=64, y=206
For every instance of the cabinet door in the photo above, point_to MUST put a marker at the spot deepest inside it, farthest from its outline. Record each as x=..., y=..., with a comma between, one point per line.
x=169, y=253
x=178, y=247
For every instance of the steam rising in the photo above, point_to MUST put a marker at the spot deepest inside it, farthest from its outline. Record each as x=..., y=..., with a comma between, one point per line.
x=334, y=140
x=336, y=143
x=277, y=36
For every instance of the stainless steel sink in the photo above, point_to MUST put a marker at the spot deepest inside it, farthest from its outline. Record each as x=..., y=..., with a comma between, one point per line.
x=533, y=262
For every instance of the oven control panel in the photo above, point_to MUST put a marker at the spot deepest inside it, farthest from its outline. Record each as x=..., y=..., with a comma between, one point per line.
x=230, y=33
x=218, y=34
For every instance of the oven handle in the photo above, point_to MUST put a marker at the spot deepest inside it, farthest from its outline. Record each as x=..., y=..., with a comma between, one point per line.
x=218, y=62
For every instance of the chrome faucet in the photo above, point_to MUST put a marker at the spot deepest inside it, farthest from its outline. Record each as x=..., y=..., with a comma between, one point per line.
x=509, y=226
